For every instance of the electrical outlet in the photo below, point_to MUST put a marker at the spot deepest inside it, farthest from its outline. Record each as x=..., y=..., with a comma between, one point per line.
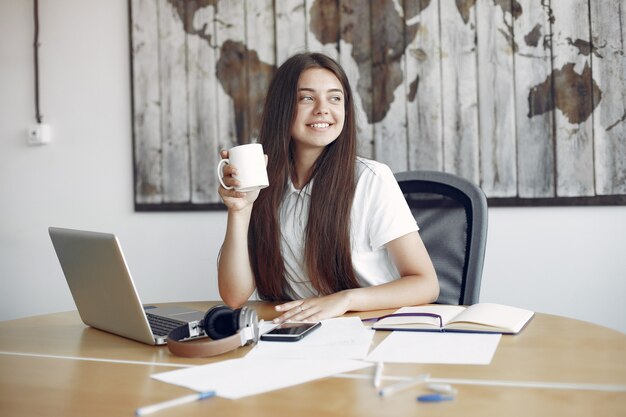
x=38, y=134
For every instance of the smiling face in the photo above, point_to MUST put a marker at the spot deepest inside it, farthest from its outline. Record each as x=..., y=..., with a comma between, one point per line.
x=320, y=110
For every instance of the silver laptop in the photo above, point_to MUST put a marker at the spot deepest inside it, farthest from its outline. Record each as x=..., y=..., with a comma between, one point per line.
x=104, y=292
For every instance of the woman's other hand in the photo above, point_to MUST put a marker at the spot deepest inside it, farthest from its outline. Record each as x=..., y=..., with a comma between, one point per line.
x=314, y=309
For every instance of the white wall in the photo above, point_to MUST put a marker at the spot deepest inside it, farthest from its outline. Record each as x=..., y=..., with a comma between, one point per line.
x=568, y=261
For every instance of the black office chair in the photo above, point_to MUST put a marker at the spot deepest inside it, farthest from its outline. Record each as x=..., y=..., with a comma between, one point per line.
x=452, y=215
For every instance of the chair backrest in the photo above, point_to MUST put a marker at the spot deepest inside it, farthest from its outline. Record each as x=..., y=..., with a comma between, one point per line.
x=452, y=215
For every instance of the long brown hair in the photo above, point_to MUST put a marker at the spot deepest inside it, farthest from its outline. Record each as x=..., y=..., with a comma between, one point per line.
x=327, y=255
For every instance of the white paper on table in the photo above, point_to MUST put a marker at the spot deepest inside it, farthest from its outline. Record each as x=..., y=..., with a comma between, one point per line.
x=338, y=338
x=238, y=378
x=437, y=347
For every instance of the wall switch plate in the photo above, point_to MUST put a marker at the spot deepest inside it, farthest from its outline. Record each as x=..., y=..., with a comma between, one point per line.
x=38, y=134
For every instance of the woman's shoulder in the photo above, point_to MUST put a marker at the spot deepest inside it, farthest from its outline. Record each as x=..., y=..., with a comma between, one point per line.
x=368, y=169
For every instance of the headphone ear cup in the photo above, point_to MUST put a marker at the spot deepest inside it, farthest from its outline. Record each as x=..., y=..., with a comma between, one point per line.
x=221, y=322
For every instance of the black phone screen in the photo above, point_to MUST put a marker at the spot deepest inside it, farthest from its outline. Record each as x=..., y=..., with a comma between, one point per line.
x=290, y=331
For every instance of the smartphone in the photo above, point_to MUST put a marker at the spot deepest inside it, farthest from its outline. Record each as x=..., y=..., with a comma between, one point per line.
x=290, y=332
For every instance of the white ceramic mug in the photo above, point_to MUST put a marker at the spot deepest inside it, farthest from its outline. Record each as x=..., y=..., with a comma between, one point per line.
x=250, y=163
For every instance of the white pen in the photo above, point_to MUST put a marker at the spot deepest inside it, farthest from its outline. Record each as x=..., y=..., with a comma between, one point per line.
x=442, y=388
x=392, y=389
x=378, y=374
x=142, y=411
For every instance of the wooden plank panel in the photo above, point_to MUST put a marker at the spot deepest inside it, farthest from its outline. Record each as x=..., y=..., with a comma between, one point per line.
x=260, y=29
x=172, y=60
x=423, y=87
x=573, y=89
x=608, y=58
x=290, y=28
x=388, y=63
x=356, y=59
x=496, y=92
x=261, y=58
x=146, y=102
x=534, y=120
x=201, y=87
x=460, y=90
x=322, y=23
x=232, y=86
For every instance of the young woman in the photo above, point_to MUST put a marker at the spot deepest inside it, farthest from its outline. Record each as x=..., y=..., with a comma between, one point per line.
x=332, y=232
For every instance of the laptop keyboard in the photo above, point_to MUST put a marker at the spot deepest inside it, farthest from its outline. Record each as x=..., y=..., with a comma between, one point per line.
x=161, y=326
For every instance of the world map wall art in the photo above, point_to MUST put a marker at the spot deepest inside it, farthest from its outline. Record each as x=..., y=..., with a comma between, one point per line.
x=526, y=98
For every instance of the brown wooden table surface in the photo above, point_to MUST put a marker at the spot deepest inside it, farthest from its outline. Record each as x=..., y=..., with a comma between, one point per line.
x=55, y=365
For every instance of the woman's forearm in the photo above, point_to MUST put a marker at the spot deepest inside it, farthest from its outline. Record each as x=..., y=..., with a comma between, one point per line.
x=235, y=275
x=406, y=291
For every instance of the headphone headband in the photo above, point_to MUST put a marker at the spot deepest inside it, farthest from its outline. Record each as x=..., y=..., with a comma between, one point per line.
x=246, y=331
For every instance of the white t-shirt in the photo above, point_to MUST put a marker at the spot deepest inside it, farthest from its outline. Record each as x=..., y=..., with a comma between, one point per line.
x=379, y=215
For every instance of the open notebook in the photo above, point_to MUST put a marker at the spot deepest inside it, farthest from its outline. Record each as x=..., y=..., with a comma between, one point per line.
x=477, y=318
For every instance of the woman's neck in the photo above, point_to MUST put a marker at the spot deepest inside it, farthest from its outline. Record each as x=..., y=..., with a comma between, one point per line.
x=304, y=162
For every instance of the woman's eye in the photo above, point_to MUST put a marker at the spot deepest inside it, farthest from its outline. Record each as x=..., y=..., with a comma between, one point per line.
x=336, y=98
x=306, y=98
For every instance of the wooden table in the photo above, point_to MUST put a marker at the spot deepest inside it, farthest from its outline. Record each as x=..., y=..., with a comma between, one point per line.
x=55, y=365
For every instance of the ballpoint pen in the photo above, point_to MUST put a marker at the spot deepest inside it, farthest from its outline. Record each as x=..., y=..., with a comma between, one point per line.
x=392, y=389
x=378, y=374
x=142, y=411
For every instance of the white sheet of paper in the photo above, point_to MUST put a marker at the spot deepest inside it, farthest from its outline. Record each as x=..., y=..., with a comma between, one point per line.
x=338, y=338
x=436, y=347
x=238, y=378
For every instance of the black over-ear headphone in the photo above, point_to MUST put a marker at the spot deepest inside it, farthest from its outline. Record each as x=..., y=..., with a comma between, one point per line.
x=228, y=329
